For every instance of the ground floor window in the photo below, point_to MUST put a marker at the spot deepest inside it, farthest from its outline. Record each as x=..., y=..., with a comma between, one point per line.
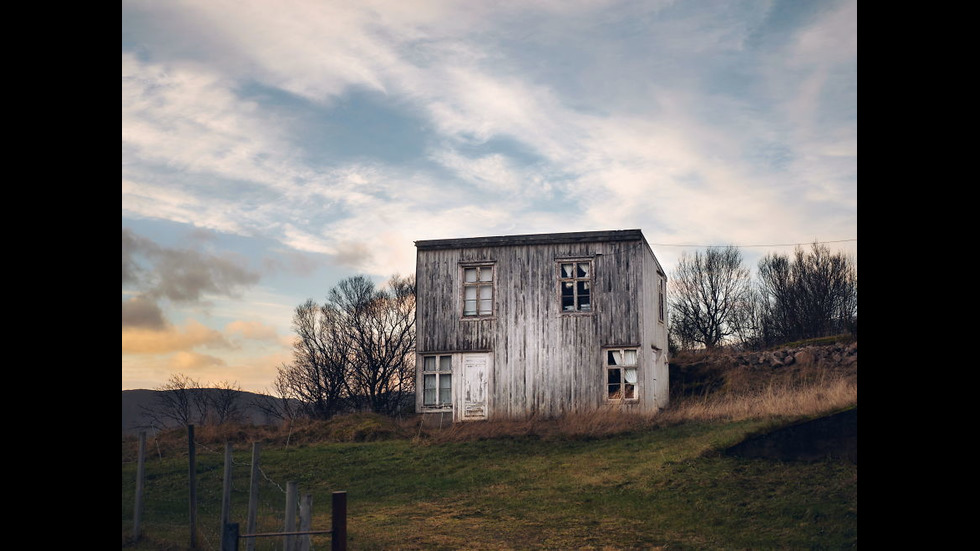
x=437, y=380
x=621, y=368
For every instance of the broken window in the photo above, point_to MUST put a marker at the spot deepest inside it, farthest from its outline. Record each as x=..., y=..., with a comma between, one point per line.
x=437, y=381
x=477, y=291
x=621, y=368
x=575, y=283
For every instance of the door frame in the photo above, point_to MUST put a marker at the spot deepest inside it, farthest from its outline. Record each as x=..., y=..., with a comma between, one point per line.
x=462, y=413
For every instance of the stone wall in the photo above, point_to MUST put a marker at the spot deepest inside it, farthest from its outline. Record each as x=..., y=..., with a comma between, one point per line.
x=695, y=373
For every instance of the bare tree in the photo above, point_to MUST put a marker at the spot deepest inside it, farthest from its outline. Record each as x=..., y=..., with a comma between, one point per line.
x=224, y=401
x=281, y=403
x=317, y=373
x=812, y=294
x=180, y=401
x=710, y=292
x=356, y=350
x=380, y=325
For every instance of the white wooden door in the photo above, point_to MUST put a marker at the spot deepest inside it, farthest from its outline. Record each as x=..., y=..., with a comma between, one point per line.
x=476, y=370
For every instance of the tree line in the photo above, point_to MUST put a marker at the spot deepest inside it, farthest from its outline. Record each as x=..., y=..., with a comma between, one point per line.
x=356, y=350
x=714, y=301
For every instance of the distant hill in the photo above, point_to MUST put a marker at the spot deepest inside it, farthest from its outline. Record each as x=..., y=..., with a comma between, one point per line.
x=135, y=403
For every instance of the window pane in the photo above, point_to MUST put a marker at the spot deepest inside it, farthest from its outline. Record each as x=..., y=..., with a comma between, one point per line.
x=486, y=274
x=630, y=375
x=567, y=303
x=445, y=363
x=614, y=357
x=445, y=389
x=614, y=392
x=615, y=376
x=469, y=302
x=429, y=390
x=629, y=392
x=469, y=275
x=630, y=357
x=583, y=269
x=584, y=299
x=566, y=270
x=429, y=363
x=486, y=300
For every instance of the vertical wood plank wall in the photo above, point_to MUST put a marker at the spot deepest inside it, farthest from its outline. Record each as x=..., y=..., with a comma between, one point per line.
x=546, y=362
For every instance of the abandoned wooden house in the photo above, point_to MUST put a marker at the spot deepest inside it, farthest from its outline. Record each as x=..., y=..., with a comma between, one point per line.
x=548, y=324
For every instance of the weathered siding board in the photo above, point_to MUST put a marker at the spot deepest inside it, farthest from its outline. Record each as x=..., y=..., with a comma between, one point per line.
x=544, y=361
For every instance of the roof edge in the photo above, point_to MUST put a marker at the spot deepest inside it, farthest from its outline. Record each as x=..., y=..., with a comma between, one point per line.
x=532, y=239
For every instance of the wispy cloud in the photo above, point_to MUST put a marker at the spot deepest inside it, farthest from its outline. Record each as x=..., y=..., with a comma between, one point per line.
x=340, y=132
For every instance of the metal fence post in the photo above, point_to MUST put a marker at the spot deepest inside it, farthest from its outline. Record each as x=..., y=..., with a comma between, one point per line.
x=338, y=536
x=226, y=493
x=229, y=537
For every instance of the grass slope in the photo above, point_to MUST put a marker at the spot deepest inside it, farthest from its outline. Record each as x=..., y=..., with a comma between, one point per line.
x=600, y=482
x=657, y=488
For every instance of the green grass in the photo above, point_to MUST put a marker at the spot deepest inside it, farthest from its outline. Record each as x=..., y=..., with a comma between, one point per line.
x=656, y=488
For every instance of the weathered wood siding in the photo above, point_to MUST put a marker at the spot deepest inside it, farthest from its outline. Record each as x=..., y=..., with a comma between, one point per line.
x=656, y=388
x=544, y=361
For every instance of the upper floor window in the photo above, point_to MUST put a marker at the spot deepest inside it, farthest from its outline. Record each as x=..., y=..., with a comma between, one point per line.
x=477, y=291
x=575, y=286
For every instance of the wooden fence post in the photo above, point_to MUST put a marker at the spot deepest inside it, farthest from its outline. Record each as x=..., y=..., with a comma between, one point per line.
x=305, y=523
x=253, y=497
x=338, y=535
x=138, y=507
x=290, y=515
x=192, y=484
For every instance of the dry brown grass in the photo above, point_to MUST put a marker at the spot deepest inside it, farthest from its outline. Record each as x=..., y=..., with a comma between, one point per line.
x=729, y=388
x=826, y=394
x=573, y=425
x=738, y=391
x=793, y=400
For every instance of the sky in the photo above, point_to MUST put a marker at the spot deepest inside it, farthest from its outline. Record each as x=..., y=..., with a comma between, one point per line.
x=272, y=149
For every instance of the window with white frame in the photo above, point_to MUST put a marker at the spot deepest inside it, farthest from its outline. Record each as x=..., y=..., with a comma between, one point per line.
x=575, y=285
x=477, y=291
x=621, y=373
x=437, y=381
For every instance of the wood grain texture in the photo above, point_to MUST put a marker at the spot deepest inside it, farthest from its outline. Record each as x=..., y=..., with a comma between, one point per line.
x=545, y=361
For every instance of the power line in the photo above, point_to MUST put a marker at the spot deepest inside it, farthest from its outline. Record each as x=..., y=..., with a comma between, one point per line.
x=746, y=246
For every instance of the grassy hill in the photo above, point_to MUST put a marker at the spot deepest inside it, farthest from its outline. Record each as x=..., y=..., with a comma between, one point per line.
x=589, y=482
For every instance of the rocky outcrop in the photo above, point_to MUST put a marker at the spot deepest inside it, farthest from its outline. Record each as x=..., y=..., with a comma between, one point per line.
x=836, y=356
x=728, y=370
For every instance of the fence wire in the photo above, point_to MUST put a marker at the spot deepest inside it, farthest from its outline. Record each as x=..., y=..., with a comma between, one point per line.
x=165, y=514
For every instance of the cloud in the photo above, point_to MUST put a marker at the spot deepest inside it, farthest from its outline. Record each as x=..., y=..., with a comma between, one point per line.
x=252, y=330
x=180, y=275
x=193, y=362
x=140, y=312
x=171, y=339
